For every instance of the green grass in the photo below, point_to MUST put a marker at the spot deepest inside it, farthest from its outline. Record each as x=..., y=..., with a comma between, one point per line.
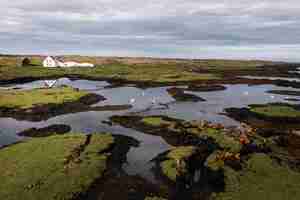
x=157, y=74
x=154, y=121
x=261, y=179
x=52, y=168
x=226, y=142
x=132, y=69
x=30, y=98
x=218, y=135
x=276, y=110
x=169, y=167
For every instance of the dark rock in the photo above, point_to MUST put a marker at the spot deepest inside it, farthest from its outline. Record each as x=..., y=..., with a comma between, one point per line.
x=179, y=95
x=47, y=131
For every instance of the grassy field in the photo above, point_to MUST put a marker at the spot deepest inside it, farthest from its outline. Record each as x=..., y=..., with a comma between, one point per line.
x=261, y=179
x=56, y=167
x=155, y=72
x=130, y=69
x=30, y=98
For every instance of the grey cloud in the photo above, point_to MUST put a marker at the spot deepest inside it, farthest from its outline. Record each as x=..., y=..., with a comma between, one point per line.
x=154, y=27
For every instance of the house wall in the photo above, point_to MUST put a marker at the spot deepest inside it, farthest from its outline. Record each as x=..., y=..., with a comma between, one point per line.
x=49, y=62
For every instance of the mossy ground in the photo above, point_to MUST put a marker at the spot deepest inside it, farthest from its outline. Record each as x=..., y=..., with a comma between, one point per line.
x=178, y=128
x=29, y=98
x=276, y=110
x=261, y=178
x=224, y=141
x=170, y=168
x=56, y=167
x=198, y=129
x=155, y=121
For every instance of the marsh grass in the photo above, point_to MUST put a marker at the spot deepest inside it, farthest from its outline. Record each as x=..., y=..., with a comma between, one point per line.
x=29, y=98
x=56, y=167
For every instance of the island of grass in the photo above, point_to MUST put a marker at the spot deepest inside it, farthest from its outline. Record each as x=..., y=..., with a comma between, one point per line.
x=55, y=167
x=272, y=112
x=55, y=129
x=261, y=178
x=178, y=132
x=26, y=99
x=179, y=95
x=277, y=110
x=44, y=103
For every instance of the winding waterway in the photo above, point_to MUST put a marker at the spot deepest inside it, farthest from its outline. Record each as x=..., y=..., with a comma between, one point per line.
x=144, y=102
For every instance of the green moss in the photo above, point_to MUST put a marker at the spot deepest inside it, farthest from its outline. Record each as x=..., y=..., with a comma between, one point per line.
x=169, y=169
x=261, y=179
x=56, y=167
x=170, y=166
x=213, y=163
x=180, y=153
x=154, y=121
x=276, y=110
x=224, y=141
x=30, y=98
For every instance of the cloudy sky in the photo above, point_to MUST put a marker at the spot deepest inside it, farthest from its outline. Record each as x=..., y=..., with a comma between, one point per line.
x=262, y=29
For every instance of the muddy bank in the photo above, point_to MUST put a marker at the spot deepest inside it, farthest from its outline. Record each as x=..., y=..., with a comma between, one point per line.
x=47, y=111
x=56, y=129
x=179, y=95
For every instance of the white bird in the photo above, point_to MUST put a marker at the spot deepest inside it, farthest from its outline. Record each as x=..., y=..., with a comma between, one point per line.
x=153, y=100
x=143, y=93
x=246, y=93
x=272, y=97
x=132, y=101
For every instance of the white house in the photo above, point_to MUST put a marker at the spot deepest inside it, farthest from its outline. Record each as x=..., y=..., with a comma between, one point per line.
x=49, y=62
x=52, y=62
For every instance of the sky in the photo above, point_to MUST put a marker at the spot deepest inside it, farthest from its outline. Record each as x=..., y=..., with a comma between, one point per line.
x=230, y=29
